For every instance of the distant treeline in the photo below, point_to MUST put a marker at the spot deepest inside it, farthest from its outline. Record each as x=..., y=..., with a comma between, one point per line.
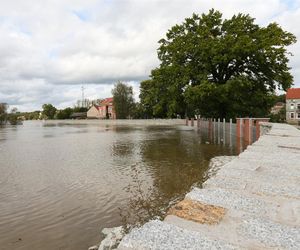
x=13, y=117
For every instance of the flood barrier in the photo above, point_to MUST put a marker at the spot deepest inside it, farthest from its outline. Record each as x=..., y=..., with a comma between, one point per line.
x=239, y=131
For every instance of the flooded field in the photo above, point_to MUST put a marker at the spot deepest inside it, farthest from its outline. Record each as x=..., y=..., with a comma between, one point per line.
x=61, y=183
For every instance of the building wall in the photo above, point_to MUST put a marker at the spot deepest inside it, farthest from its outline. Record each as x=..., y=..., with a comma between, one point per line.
x=100, y=112
x=93, y=113
x=111, y=111
x=293, y=110
x=277, y=107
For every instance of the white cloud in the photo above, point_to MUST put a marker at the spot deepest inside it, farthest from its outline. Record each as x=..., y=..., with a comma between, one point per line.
x=49, y=48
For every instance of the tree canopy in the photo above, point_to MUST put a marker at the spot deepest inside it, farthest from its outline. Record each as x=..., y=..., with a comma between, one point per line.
x=48, y=111
x=13, y=116
x=218, y=67
x=3, y=112
x=64, y=114
x=123, y=100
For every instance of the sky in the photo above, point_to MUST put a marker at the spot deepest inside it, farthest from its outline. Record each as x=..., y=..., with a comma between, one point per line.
x=50, y=48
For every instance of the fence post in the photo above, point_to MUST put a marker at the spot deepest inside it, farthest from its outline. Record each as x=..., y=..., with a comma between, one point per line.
x=230, y=131
x=239, y=131
x=247, y=130
x=192, y=122
x=198, y=121
x=257, y=129
x=250, y=130
x=219, y=132
x=238, y=127
x=224, y=130
x=210, y=128
x=214, y=128
x=186, y=121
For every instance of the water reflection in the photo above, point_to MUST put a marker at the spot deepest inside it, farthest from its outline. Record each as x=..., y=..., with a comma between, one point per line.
x=175, y=160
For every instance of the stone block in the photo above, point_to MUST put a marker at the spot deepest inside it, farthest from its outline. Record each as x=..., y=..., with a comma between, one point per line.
x=198, y=212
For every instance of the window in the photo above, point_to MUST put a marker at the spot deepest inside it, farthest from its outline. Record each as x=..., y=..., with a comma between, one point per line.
x=292, y=115
x=298, y=106
x=292, y=106
x=298, y=115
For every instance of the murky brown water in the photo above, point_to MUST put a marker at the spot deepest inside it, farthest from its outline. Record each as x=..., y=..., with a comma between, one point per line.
x=60, y=184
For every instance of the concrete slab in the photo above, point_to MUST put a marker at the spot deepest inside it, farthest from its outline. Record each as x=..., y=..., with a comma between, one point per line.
x=157, y=235
x=247, y=231
x=234, y=200
x=270, y=233
x=257, y=185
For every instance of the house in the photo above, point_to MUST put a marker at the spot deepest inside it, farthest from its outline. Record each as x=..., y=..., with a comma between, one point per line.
x=277, y=107
x=78, y=115
x=105, y=110
x=293, y=105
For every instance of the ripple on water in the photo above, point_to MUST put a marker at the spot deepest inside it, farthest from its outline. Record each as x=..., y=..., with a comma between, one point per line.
x=58, y=191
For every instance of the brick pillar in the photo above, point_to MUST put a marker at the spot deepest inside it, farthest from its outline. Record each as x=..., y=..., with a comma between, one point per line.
x=257, y=129
x=257, y=124
x=247, y=130
x=238, y=127
x=250, y=130
x=238, y=145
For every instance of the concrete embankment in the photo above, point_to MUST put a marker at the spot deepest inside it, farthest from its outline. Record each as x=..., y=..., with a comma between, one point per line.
x=253, y=202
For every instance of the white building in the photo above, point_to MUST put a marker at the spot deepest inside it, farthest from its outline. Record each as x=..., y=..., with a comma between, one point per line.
x=293, y=105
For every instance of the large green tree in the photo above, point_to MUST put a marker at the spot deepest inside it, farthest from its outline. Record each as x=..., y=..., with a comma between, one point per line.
x=123, y=100
x=48, y=111
x=219, y=67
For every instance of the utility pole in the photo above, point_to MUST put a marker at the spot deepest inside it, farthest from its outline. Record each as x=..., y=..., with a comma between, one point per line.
x=82, y=96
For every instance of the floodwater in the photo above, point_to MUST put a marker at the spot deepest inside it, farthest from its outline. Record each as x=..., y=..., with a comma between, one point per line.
x=61, y=183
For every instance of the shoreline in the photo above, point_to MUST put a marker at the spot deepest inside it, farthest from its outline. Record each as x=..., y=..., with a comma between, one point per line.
x=251, y=202
x=113, y=236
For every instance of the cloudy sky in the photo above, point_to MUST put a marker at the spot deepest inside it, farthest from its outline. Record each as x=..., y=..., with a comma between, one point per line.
x=50, y=48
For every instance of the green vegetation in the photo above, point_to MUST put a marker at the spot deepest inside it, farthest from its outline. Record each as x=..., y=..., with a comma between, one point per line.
x=278, y=98
x=3, y=113
x=279, y=117
x=35, y=115
x=48, y=111
x=64, y=114
x=123, y=100
x=13, y=116
x=80, y=109
x=218, y=68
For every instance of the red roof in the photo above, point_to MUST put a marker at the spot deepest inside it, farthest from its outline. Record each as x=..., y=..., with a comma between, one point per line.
x=106, y=101
x=293, y=93
x=97, y=106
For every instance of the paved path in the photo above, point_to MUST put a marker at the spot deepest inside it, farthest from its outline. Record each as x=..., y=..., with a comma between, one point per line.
x=253, y=202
